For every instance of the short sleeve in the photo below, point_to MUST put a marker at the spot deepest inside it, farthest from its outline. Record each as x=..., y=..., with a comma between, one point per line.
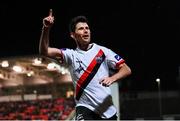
x=67, y=56
x=113, y=59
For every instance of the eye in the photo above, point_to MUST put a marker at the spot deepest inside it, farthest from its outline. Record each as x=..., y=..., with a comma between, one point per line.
x=87, y=28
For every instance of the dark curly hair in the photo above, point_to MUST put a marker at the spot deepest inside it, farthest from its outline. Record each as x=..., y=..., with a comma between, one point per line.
x=76, y=20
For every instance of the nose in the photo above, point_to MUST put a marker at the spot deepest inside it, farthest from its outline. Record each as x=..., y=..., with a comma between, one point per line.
x=85, y=30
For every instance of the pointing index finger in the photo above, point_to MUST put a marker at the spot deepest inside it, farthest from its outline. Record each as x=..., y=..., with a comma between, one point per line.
x=50, y=12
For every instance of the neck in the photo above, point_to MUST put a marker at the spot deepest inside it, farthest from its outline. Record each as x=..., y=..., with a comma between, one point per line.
x=85, y=47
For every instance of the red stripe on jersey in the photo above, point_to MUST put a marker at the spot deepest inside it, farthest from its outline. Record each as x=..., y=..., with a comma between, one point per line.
x=120, y=62
x=88, y=71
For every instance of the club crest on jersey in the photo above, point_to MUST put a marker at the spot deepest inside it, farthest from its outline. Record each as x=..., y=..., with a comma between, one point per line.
x=117, y=57
x=99, y=59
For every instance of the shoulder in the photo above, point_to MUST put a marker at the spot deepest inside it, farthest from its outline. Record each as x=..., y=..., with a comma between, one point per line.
x=67, y=51
x=103, y=48
x=100, y=46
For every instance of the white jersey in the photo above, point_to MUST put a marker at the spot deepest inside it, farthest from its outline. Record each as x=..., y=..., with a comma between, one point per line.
x=87, y=69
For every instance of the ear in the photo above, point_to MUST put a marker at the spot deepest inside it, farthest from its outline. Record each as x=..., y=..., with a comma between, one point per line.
x=72, y=35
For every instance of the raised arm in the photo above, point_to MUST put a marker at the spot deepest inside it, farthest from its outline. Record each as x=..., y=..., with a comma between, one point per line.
x=44, y=48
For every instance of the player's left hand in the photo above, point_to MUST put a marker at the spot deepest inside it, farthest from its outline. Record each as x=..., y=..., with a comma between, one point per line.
x=107, y=81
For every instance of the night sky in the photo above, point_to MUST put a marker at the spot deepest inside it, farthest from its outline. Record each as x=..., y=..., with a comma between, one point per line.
x=144, y=32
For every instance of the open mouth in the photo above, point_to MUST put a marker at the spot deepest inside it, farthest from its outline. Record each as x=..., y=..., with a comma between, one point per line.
x=85, y=36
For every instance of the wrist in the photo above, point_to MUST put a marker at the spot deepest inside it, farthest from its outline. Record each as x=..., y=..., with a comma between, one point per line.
x=45, y=28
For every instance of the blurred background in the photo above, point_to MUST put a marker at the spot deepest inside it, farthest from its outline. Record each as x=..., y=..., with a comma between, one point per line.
x=144, y=33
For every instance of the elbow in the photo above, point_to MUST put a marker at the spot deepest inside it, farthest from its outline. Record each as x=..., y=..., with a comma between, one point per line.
x=129, y=72
x=43, y=49
x=43, y=52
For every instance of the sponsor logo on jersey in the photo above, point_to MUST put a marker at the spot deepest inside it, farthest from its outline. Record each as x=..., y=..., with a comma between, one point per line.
x=117, y=57
x=80, y=68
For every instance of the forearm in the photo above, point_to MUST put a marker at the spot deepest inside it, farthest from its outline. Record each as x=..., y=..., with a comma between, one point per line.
x=44, y=41
x=123, y=72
